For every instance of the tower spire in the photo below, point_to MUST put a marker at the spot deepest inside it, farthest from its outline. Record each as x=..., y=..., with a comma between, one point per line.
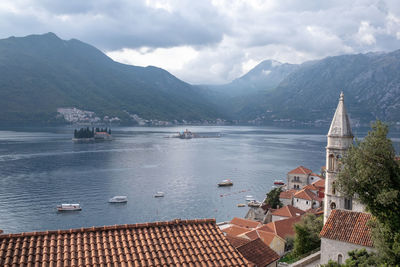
x=340, y=126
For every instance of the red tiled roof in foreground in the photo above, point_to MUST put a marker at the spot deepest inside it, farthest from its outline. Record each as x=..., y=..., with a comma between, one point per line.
x=174, y=243
x=288, y=211
x=300, y=170
x=348, y=226
x=258, y=253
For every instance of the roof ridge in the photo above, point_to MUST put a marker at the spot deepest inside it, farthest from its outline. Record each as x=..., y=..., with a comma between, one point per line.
x=111, y=227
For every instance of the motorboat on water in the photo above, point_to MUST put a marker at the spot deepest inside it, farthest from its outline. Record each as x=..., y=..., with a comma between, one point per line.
x=241, y=205
x=118, y=199
x=226, y=182
x=279, y=182
x=159, y=194
x=69, y=207
x=250, y=198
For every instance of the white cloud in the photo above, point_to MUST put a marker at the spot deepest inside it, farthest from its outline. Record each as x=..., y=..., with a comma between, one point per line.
x=211, y=41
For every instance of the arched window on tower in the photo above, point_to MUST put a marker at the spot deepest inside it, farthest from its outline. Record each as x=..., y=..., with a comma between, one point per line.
x=331, y=162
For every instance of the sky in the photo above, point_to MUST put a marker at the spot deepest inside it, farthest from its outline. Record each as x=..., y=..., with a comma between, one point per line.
x=211, y=42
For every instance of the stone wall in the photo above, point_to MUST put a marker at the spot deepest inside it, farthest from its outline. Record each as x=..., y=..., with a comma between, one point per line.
x=331, y=249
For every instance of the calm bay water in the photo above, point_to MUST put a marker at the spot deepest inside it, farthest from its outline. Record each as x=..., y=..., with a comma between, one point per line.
x=42, y=167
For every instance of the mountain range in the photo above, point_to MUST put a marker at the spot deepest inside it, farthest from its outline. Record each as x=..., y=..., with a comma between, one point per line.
x=41, y=73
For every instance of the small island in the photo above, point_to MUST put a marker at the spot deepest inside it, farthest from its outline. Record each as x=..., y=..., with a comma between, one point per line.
x=84, y=135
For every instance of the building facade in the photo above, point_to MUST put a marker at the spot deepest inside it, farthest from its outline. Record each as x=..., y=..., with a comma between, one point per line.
x=340, y=138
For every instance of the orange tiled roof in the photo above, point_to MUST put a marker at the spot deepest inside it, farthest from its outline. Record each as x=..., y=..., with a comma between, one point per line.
x=348, y=226
x=307, y=195
x=311, y=187
x=235, y=230
x=237, y=241
x=287, y=194
x=282, y=228
x=300, y=170
x=258, y=252
x=174, y=243
x=288, y=211
x=266, y=237
x=245, y=223
x=319, y=183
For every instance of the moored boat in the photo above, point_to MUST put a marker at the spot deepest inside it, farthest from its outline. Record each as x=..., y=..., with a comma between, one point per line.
x=69, y=207
x=118, y=199
x=159, y=194
x=241, y=205
x=250, y=198
x=254, y=203
x=226, y=182
x=279, y=182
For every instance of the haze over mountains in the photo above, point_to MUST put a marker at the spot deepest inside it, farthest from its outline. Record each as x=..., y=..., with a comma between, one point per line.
x=40, y=73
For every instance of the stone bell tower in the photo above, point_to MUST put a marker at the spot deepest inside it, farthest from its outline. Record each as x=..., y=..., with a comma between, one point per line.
x=340, y=138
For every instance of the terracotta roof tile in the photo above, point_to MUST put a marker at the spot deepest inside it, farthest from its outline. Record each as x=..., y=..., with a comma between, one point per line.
x=245, y=223
x=236, y=241
x=348, y=226
x=282, y=228
x=288, y=211
x=266, y=237
x=311, y=187
x=319, y=183
x=288, y=194
x=258, y=253
x=177, y=242
x=234, y=230
x=307, y=195
x=300, y=170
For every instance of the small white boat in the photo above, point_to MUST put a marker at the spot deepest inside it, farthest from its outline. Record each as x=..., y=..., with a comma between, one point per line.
x=159, y=194
x=226, y=182
x=118, y=199
x=250, y=198
x=241, y=205
x=69, y=207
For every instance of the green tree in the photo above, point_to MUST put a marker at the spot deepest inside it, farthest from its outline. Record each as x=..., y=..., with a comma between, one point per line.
x=273, y=198
x=307, y=234
x=371, y=172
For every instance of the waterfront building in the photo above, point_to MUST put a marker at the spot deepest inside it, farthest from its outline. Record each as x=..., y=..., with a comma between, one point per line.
x=305, y=199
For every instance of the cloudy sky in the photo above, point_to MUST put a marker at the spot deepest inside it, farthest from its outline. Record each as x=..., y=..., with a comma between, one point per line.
x=212, y=41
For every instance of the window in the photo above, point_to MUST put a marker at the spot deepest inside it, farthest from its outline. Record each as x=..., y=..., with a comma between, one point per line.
x=348, y=204
x=333, y=188
x=297, y=200
x=340, y=259
x=307, y=202
x=333, y=205
x=331, y=162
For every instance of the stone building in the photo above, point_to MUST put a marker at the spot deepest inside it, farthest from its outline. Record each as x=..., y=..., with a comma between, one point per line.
x=340, y=138
x=344, y=231
x=298, y=178
x=305, y=199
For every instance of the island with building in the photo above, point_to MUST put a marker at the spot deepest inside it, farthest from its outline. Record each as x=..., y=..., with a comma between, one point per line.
x=90, y=135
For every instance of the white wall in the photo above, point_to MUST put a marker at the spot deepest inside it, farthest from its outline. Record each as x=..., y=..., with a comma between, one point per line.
x=302, y=203
x=286, y=201
x=330, y=249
